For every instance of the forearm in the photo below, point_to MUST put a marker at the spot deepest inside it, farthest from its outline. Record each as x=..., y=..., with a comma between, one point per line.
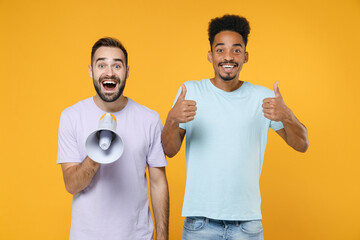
x=296, y=133
x=77, y=177
x=171, y=138
x=160, y=203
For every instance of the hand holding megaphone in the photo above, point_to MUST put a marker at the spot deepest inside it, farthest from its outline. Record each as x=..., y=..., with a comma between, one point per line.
x=104, y=145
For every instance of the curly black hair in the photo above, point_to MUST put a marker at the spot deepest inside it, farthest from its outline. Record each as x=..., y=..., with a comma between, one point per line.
x=229, y=23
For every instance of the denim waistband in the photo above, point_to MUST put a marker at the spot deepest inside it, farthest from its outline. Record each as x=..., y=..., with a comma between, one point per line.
x=222, y=222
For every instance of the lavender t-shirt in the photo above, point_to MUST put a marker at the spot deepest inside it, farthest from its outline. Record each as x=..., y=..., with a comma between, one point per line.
x=115, y=205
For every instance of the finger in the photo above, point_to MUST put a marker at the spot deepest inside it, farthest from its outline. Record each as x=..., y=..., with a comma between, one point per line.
x=276, y=89
x=190, y=114
x=268, y=116
x=268, y=111
x=190, y=119
x=269, y=100
x=190, y=109
x=183, y=92
x=190, y=102
x=267, y=106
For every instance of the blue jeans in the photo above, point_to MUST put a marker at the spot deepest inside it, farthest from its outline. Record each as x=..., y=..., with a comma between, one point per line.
x=201, y=228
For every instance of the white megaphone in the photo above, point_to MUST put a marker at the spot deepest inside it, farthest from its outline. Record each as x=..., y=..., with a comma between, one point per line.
x=104, y=145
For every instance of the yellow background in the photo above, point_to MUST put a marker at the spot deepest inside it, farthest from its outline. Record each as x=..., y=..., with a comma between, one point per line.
x=310, y=47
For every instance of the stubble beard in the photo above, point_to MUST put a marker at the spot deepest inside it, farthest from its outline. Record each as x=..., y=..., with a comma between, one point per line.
x=110, y=97
x=228, y=77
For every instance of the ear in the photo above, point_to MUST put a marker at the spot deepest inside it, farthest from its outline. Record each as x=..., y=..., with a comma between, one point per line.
x=246, y=58
x=127, y=72
x=90, y=71
x=209, y=56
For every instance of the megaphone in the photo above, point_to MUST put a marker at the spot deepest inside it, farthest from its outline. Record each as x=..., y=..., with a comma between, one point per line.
x=104, y=145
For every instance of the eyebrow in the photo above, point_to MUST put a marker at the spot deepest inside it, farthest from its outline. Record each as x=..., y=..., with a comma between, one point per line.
x=115, y=59
x=238, y=44
x=234, y=45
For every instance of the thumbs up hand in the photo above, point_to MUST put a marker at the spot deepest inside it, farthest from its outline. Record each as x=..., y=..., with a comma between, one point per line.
x=183, y=110
x=275, y=108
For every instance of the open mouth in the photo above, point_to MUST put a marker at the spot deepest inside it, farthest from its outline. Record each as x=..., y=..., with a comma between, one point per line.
x=228, y=67
x=109, y=85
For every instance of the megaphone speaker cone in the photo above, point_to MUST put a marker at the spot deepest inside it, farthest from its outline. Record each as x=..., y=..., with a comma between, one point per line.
x=105, y=139
x=94, y=146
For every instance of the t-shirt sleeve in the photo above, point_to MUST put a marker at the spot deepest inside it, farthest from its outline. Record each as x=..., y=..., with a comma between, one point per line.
x=67, y=144
x=276, y=125
x=156, y=156
x=181, y=125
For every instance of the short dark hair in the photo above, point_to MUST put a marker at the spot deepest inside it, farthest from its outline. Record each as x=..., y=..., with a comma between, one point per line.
x=233, y=23
x=108, y=42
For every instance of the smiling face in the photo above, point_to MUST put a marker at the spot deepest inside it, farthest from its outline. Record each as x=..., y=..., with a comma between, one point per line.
x=228, y=55
x=109, y=73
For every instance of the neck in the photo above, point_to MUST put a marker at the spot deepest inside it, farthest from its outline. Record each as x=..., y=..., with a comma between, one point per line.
x=227, y=86
x=115, y=106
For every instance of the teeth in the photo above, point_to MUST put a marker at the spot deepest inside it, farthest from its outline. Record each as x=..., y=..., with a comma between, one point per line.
x=228, y=66
x=108, y=82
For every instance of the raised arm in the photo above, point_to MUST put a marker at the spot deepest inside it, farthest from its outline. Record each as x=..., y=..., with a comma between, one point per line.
x=77, y=176
x=294, y=132
x=172, y=136
x=160, y=201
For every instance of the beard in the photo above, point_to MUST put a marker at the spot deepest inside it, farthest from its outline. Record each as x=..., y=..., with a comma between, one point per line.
x=109, y=97
x=227, y=77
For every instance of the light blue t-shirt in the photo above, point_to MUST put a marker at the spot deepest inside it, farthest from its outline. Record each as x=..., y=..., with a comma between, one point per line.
x=225, y=146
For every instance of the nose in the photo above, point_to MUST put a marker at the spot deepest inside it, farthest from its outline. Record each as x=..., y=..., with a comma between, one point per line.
x=109, y=71
x=228, y=56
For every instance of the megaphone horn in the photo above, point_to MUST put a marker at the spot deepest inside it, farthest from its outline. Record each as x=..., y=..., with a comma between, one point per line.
x=104, y=145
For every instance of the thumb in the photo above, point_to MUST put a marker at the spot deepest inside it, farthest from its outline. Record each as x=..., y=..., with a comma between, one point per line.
x=183, y=92
x=276, y=89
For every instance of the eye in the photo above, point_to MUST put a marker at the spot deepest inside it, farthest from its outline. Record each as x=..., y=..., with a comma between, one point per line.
x=237, y=51
x=219, y=50
x=101, y=65
x=117, y=66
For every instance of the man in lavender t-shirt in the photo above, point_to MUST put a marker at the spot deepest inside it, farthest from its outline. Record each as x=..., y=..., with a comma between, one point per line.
x=110, y=201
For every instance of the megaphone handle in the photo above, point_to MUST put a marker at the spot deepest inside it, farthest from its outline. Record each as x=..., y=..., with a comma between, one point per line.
x=105, y=139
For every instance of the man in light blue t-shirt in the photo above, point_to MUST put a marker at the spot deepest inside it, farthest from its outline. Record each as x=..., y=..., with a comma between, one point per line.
x=226, y=140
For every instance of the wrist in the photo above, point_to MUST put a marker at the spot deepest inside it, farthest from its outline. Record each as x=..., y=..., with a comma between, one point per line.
x=92, y=163
x=161, y=236
x=172, y=120
x=288, y=116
